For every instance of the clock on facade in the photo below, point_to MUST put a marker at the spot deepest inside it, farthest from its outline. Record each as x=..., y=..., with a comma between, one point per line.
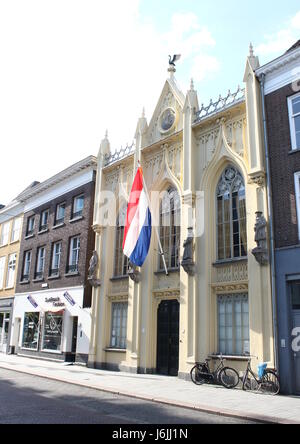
x=167, y=119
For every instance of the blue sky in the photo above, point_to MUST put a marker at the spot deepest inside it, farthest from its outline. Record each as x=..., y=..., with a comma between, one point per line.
x=72, y=69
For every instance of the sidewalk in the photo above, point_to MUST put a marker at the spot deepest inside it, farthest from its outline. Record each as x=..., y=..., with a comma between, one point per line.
x=167, y=390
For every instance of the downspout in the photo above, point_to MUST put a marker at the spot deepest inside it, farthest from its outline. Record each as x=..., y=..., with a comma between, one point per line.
x=270, y=214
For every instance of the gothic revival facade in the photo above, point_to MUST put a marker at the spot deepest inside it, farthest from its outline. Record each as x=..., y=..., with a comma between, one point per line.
x=205, y=167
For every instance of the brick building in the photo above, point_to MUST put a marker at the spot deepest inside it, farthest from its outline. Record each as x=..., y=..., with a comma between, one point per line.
x=280, y=85
x=53, y=298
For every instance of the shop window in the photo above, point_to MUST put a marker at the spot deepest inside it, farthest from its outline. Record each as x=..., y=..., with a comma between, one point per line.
x=170, y=229
x=233, y=324
x=118, y=324
x=295, y=293
x=231, y=215
x=52, y=332
x=31, y=330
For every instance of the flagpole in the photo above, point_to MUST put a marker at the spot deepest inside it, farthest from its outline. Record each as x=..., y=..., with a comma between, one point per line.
x=155, y=227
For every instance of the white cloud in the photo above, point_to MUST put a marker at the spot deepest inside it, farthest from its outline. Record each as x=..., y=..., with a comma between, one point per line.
x=282, y=40
x=72, y=69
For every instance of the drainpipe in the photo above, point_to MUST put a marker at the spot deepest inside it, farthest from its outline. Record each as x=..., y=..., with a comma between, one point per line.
x=270, y=214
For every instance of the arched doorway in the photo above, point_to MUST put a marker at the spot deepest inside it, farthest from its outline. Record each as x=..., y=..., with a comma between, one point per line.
x=168, y=338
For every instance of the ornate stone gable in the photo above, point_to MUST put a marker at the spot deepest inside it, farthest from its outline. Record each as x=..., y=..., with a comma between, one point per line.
x=167, y=117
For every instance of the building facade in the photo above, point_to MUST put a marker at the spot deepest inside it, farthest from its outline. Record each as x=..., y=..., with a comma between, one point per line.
x=11, y=219
x=280, y=85
x=205, y=173
x=52, y=318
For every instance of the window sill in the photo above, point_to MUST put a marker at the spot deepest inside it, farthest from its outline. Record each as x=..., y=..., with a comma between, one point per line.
x=38, y=280
x=14, y=242
x=58, y=226
x=4, y=245
x=43, y=231
x=75, y=219
x=29, y=236
x=115, y=350
x=119, y=278
x=9, y=288
x=24, y=282
x=230, y=357
x=170, y=270
x=230, y=261
x=296, y=150
x=54, y=276
x=73, y=273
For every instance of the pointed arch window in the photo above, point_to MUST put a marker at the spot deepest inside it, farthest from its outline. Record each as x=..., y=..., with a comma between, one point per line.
x=169, y=224
x=231, y=215
x=121, y=261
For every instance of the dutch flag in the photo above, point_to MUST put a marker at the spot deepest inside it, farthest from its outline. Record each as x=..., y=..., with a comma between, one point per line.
x=137, y=233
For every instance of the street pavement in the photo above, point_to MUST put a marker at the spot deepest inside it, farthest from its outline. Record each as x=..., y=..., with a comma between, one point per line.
x=27, y=399
x=168, y=391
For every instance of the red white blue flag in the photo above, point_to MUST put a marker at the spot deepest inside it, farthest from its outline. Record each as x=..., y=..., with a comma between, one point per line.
x=137, y=233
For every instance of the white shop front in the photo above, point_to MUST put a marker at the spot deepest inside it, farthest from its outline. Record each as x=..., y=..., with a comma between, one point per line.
x=52, y=324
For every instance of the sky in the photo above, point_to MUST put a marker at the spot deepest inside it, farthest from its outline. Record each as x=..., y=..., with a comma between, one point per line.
x=72, y=69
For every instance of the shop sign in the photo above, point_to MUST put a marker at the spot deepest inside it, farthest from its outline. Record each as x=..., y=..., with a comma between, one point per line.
x=56, y=302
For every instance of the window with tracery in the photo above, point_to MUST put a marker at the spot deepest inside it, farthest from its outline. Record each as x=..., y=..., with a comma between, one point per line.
x=121, y=261
x=231, y=215
x=170, y=228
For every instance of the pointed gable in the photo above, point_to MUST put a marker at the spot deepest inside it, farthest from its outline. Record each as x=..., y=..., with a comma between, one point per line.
x=167, y=117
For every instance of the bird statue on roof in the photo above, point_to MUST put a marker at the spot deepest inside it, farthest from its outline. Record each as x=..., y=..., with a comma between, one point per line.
x=174, y=59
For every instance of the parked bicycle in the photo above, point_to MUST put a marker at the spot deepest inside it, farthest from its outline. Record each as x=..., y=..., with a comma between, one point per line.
x=265, y=382
x=227, y=376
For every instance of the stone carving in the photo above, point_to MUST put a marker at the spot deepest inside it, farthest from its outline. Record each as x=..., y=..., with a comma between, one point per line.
x=133, y=273
x=231, y=273
x=187, y=262
x=92, y=274
x=261, y=251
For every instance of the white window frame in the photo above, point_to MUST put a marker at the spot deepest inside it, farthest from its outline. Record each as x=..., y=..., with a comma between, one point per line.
x=4, y=241
x=40, y=260
x=118, y=333
x=26, y=261
x=292, y=121
x=11, y=268
x=2, y=271
x=74, y=209
x=58, y=206
x=16, y=232
x=28, y=231
x=72, y=249
x=297, y=194
x=56, y=253
x=44, y=221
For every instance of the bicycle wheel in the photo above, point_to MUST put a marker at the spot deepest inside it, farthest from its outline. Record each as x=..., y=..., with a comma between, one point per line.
x=269, y=383
x=229, y=377
x=197, y=375
x=250, y=384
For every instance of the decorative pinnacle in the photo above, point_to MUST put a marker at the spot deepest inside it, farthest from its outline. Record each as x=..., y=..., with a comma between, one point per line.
x=192, y=85
x=251, y=51
x=106, y=135
x=143, y=112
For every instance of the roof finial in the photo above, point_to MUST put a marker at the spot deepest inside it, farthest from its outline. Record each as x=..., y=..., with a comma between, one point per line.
x=143, y=112
x=251, y=51
x=106, y=135
x=192, y=85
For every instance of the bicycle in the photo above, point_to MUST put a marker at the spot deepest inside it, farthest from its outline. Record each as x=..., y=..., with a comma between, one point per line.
x=226, y=376
x=266, y=381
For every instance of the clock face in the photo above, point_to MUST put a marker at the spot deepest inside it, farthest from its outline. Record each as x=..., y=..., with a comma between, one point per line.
x=167, y=119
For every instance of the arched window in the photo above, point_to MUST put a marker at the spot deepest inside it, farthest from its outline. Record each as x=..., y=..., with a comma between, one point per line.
x=231, y=215
x=121, y=261
x=169, y=223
